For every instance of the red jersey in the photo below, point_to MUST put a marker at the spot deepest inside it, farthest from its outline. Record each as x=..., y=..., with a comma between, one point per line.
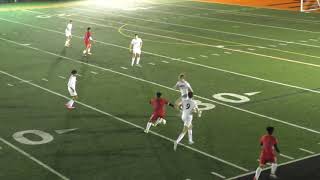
x=268, y=142
x=158, y=105
x=87, y=37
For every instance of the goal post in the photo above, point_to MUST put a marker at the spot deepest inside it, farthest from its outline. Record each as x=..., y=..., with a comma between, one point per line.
x=309, y=5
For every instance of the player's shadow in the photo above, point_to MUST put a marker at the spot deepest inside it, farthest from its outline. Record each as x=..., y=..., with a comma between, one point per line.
x=57, y=61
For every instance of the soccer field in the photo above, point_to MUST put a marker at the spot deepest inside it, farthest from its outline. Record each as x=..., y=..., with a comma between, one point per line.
x=249, y=68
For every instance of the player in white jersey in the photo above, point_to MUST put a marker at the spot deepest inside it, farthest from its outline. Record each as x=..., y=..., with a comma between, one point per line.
x=189, y=106
x=72, y=90
x=184, y=87
x=68, y=32
x=135, y=47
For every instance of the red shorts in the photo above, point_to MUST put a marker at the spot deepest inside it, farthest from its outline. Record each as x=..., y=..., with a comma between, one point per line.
x=155, y=116
x=87, y=44
x=270, y=158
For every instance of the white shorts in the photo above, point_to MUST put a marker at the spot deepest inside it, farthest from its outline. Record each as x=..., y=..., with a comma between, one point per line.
x=68, y=33
x=72, y=93
x=187, y=120
x=136, y=51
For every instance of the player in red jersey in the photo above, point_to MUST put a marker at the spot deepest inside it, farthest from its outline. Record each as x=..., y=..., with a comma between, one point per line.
x=87, y=42
x=159, y=111
x=269, y=145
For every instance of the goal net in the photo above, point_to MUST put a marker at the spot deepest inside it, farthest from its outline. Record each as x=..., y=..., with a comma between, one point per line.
x=309, y=5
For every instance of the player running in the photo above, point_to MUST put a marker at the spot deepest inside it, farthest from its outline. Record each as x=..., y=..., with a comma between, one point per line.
x=87, y=42
x=135, y=47
x=184, y=87
x=159, y=111
x=188, y=107
x=68, y=32
x=72, y=90
x=269, y=145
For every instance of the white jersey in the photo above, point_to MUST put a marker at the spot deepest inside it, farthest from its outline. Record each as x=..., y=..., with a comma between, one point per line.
x=188, y=105
x=183, y=87
x=72, y=82
x=136, y=43
x=69, y=29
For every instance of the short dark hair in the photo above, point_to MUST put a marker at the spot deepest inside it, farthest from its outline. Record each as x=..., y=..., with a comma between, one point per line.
x=70, y=21
x=181, y=75
x=190, y=94
x=88, y=29
x=270, y=129
x=135, y=35
x=74, y=72
x=158, y=94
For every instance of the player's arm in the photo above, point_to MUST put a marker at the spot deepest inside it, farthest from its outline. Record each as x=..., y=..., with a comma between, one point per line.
x=141, y=44
x=176, y=86
x=130, y=47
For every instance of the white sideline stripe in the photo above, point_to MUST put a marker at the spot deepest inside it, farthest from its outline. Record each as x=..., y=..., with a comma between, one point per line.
x=279, y=165
x=123, y=67
x=307, y=151
x=251, y=49
x=62, y=77
x=11, y=85
x=29, y=156
x=191, y=58
x=25, y=81
x=286, y=156
x=303, y=41
x=217, y=174
x=165, y=62
x=156, y=84
x=209, y=67
x=44, y=79
x=92, y=72
x=204, y=56
x=153, y=64
x=199, y=28
x=127, y=122
x=25, y=44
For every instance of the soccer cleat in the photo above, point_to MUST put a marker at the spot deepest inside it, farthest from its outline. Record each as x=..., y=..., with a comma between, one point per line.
x=175, y=144
x=273, y=176
x=191, y=142
x=164, y=122
x=146, y=131
x=89, y=53
x=70, y=108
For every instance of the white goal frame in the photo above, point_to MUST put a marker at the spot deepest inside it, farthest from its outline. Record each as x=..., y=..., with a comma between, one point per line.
x=302, y=4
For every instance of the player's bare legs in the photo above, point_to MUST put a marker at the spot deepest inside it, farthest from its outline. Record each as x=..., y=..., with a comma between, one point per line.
x=258, y=172
x=138, y=59
x=274, y=167
x=149, y=124
x=133, y=58
x=180, y=137
x=70, y=103
x=68, y=42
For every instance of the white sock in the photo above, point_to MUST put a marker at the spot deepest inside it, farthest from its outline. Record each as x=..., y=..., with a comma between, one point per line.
x=180, y=137
x=66, y=44
x=85, y=51
x=274, y=168
x=148, y=126
x=138, y=60
x=70, y=103
x=132, y=61
x=190, y=135
x=89, y=49
x=258, y=172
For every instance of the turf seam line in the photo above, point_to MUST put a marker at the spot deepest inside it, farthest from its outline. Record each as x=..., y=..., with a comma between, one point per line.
x=156, y=84
x=29, y=156
x=127, y=122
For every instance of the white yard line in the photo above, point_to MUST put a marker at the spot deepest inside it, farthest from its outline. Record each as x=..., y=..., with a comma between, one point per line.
x=29, y=156
x=44, y=79
x=286, y=156
x=93, y=72
x=198, y=28
x=62, y=77
x=153, y=64
x=191, y=58
x=203, y=56
x=307, y=151
x=127, y=122
x=165, y=62
x=123, y=68
x=279, y=165
x=166, y=87
x=239, y=51
x=218, y=175
x=11, y=85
